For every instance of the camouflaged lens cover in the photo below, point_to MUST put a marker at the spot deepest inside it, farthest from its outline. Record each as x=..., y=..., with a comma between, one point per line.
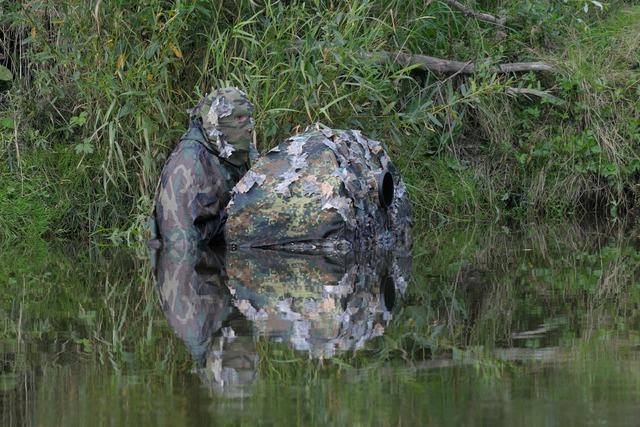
x=317, y=191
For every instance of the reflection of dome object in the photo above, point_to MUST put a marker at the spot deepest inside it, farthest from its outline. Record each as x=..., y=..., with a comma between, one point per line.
x=312, y=303
x=320, y=191
x=388, y=292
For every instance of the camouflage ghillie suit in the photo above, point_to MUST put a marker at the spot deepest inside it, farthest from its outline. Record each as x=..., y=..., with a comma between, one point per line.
x=324, y=190
x=196, y=180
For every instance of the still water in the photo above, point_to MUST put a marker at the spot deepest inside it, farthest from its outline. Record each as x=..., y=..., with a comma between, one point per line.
x=483, y=326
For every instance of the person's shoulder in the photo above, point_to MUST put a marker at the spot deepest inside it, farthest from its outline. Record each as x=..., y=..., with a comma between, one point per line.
x=193, y=155
x=186, y=151
x=189, y=147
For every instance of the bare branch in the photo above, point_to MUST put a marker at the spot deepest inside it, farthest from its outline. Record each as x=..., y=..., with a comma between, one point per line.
x=523, y=67
x=445, y=66
x=438, y=65
x=466, y=11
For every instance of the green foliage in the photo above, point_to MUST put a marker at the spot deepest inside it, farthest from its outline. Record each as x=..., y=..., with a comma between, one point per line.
x=24, y=209
x=5, y=74
x=108, y=85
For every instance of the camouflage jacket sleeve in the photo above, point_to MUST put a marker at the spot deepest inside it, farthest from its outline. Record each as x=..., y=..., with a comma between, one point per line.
x=191, y=197
x=209, y=199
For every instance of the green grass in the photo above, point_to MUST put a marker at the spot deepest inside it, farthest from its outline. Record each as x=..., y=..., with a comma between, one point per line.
x=99, y=100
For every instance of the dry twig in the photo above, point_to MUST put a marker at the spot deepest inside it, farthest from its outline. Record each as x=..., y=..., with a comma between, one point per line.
x=466, y=11
x=445, y=66
x=439, y=65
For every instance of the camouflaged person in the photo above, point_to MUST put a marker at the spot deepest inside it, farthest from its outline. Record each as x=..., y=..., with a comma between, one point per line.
x=211, y=157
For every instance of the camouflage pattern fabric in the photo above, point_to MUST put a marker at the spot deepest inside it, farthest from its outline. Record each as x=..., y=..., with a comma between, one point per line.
x=318, y=304
x=227, y=119
x=198, y=306
x=191, y=195
x=196, y=180
x=217, y=303
x=316, y=260
x=318, y=191
x=194, y=297
x=231, y=365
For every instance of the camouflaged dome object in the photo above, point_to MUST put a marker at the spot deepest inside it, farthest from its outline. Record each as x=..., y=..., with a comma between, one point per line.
x=318, y=192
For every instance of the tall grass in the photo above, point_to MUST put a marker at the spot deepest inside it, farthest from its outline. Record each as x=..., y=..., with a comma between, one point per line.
x=102, y=88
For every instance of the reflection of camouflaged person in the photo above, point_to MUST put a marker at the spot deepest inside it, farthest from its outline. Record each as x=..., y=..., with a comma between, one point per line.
x=197, y=304
x=194, y=297
x=209, y=160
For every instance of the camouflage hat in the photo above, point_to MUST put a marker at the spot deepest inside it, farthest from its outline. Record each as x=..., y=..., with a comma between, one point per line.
x=227, y=119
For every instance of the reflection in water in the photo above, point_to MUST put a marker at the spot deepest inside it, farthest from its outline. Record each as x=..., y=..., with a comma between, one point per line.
x=314, y=303
x=194, y=297
x=219, y=303
x=538, y=326
x=196, y=302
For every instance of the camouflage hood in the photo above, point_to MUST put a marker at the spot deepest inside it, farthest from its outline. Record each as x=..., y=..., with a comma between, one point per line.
x=226, y=116
x=323, y=190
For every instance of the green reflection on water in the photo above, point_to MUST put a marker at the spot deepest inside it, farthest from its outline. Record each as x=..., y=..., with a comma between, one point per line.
x=536, y=327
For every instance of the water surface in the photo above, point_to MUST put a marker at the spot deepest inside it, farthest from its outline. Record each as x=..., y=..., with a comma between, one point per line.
x=495, y=326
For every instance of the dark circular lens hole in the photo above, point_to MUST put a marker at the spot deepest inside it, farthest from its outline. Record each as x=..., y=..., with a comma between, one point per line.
x=385, y=189
x=388, y=292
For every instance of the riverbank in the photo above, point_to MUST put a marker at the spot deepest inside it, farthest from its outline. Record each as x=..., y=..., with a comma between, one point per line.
x=98, y=98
